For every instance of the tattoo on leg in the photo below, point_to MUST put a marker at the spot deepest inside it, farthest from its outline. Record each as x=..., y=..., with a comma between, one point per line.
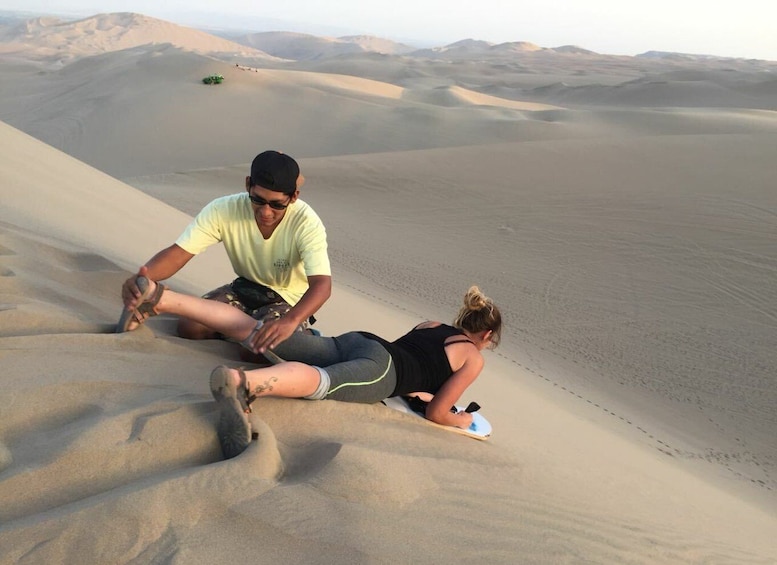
x=266, y=387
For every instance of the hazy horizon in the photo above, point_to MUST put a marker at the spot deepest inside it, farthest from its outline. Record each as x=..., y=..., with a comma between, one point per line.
x=603, y=26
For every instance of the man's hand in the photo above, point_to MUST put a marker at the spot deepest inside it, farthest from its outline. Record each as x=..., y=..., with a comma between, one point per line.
x=160, y=267
x=130, y=293
x=273, y=332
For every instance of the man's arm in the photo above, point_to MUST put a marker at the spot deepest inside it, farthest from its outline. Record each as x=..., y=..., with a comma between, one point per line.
x=274, y=332
x=161, y=266
x=319, y=290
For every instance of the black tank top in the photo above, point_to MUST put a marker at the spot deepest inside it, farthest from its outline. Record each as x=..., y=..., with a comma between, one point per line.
x=419, y=358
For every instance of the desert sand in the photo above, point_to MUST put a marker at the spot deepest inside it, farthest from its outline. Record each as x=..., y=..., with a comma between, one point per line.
x=622, y=212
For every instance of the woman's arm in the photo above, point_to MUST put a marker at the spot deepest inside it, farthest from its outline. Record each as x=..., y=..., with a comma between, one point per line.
x=439, y=408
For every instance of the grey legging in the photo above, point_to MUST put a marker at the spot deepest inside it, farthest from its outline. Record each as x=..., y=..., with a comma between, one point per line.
x=359, y=368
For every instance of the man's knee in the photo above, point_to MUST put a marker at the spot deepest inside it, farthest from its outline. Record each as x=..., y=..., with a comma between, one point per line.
x=189, y=329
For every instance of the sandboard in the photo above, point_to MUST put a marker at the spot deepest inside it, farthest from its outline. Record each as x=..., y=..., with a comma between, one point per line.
x=480, y=428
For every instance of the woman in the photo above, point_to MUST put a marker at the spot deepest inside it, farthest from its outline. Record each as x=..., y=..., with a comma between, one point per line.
x=433, y=358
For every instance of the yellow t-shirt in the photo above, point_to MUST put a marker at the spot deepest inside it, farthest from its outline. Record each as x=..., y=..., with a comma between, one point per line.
x=296, y=250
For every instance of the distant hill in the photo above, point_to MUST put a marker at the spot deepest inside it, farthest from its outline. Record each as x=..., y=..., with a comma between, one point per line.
x=573, y=49
x=378, y=44
x=302, y=47
x=57, y=41
x=474, y=48
x=673, y=56
x=53, y=39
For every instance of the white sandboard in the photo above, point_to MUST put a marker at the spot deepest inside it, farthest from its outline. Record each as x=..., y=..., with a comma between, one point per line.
x=480, y=428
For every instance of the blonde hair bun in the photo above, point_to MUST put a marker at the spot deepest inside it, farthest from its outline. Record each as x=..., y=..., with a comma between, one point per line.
x=479, y=314
x=475, y=299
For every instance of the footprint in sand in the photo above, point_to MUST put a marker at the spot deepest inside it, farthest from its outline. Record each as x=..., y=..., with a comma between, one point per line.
x=91, y=262
x=6, y=457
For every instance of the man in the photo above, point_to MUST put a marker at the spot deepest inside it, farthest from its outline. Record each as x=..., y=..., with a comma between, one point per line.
x=276, y=244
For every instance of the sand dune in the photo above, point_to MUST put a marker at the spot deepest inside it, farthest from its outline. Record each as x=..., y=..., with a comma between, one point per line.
x=475, y=48
x=304, y=113
x=44, y=39
x=301, y=46
x=707, y=91
x=329, y=109
x=116, y=432
x=307, y=114
x=455, y=96
x=95, y=192
x=623, y=218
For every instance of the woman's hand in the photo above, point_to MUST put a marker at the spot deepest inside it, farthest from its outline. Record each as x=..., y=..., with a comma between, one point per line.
x=468, y=364
x=463, y=419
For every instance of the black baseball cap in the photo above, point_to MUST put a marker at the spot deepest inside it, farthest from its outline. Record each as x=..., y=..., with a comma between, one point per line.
x=275, y=171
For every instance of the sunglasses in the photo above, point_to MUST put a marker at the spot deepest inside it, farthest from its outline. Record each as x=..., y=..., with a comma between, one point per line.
x=274, y=204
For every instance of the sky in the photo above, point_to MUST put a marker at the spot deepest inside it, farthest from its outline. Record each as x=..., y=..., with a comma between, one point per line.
x=743, y=28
